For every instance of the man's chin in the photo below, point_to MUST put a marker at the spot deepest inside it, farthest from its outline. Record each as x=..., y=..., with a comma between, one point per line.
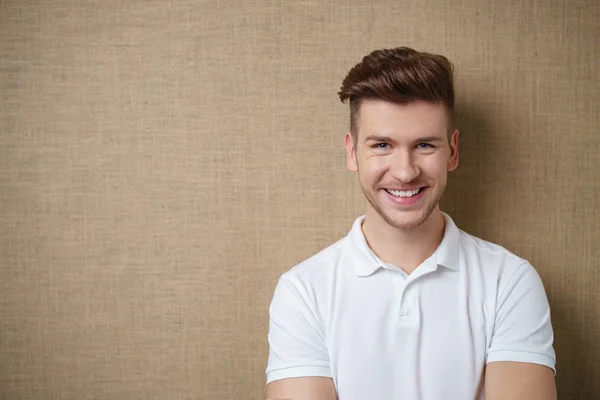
x=405, y=219
x=407, y=224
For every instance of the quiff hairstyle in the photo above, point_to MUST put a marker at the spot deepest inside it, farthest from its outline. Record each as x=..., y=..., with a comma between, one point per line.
x=401, y=75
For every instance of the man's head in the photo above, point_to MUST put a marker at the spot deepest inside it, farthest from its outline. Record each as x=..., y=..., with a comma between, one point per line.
x=401, y=140
x=401, y=75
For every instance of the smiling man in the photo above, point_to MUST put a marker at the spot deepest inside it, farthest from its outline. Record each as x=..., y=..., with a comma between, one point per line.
x=407, y=305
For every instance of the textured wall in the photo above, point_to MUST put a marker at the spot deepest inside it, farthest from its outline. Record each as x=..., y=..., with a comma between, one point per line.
x=163, y=162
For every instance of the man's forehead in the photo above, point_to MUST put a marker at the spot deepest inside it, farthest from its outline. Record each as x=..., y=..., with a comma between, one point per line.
x=416, y=119
x=417, y=113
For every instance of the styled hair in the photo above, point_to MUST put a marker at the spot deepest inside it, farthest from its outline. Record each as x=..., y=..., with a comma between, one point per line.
x=401, y=75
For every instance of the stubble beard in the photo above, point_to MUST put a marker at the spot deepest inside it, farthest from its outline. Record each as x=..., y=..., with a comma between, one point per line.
x=404, y=227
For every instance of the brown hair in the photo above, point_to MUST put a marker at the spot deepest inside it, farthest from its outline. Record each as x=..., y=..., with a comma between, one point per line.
x=401, y=75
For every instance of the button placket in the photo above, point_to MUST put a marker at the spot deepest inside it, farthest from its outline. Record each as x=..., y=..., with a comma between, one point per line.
x=403, y=310
x=409, y=304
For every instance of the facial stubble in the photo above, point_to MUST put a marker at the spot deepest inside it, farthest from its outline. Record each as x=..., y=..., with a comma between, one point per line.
x=390, y=221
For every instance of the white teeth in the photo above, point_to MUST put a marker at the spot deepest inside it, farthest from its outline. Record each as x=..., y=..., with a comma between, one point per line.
x=402, y=193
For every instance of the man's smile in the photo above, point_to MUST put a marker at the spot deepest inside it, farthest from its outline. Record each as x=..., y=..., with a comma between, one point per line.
x=403, y=192
x=405, y=197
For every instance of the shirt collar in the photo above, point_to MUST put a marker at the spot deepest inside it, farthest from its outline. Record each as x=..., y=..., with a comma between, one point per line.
x=366, y=262
x=447, y=251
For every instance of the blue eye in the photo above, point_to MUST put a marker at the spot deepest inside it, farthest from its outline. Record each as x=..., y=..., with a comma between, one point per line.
x=425, y=146
x=381, y=146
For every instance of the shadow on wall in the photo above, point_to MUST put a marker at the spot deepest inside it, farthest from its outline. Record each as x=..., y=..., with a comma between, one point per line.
x=464, y=198
x=472, y=199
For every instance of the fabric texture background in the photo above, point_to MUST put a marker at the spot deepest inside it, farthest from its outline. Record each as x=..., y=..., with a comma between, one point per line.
x=163, y=162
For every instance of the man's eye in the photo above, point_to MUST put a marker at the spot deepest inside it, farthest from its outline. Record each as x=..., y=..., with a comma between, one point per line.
x=381, y=146
x=425, y=146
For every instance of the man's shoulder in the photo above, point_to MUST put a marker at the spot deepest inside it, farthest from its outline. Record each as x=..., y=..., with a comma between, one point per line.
x=319, y=264
x=488, y=253
x=492, y=268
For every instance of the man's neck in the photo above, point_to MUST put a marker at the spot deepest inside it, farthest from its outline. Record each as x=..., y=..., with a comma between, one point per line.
x=406, y=249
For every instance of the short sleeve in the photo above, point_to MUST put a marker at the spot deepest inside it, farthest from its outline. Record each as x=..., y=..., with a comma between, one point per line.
x=296, y=339
x=523, y=330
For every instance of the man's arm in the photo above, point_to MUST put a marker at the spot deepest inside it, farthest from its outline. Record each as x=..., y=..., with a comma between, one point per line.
x=307, y=388
x=298, y=366
x=521, y=360
x=519, y=381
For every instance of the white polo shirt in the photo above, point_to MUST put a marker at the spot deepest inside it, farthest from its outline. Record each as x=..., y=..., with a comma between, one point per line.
x=382, y=334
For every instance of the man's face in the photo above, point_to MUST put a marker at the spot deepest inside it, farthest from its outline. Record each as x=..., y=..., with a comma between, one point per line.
x=402, y=155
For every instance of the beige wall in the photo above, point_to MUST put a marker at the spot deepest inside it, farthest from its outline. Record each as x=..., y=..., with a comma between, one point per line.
x=163, y=162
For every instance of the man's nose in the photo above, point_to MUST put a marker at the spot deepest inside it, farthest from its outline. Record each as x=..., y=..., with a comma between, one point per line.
x=404, y=167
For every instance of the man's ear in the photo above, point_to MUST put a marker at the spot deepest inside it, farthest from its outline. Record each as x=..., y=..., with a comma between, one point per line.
x=351, y=153
x=453, y=161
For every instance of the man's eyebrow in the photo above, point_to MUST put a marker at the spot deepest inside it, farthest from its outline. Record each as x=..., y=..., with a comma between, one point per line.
x=429, y=139
x=379, y=138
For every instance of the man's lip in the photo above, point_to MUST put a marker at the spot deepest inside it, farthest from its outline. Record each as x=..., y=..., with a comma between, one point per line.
x=406, y=189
